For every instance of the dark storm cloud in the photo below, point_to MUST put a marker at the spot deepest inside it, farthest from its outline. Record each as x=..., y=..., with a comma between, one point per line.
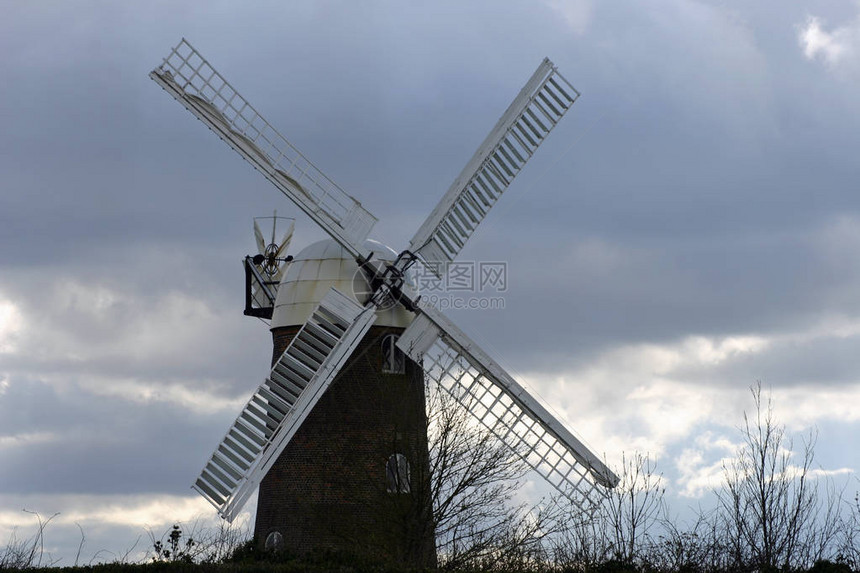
x=148, y=321
x=575, y=297
x=69, y=440
x=707, y=179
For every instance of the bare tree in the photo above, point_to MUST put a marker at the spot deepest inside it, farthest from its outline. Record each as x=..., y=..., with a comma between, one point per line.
x=770, y=506
x=27, y=553
x=634, y=507
x=694, y=547
x=473, y=482
x=623, y=528
x=583, y=542
x=848, y=544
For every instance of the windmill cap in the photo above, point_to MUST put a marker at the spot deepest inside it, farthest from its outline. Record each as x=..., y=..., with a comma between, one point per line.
x=321, y=266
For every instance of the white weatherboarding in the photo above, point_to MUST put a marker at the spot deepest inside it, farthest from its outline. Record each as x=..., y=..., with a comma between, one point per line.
x=324, y=344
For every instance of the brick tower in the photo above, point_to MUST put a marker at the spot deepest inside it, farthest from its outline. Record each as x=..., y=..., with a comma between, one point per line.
x=355, y=476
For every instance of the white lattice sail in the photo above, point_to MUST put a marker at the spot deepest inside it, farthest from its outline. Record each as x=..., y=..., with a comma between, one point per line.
x=189, y=78
x=534, y=112
x=282, y=402
x=497, y=401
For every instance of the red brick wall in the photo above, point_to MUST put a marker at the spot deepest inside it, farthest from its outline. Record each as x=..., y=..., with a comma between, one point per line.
x=328, y=488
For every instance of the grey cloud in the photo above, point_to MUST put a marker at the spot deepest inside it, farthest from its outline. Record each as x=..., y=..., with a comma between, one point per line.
x=828, y=361
x=71, y=440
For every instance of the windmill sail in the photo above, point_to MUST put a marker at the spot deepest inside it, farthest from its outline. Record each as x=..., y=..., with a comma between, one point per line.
x=189, y=78
x=282, y=402
x=285, y=241
x=531, y=116
x=477, y=382
x=258, y=236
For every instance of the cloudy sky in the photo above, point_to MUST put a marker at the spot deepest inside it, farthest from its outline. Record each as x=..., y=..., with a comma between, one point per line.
x=692, y=226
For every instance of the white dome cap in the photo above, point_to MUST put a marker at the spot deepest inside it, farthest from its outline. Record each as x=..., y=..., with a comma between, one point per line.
x=323, y=265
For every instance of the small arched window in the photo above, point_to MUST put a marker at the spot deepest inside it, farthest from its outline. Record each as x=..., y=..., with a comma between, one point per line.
x=393, y=360
x=397, y=474
x=274, y=541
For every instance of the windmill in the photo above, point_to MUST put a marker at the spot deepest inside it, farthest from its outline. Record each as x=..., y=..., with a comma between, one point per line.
x=325, y=345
